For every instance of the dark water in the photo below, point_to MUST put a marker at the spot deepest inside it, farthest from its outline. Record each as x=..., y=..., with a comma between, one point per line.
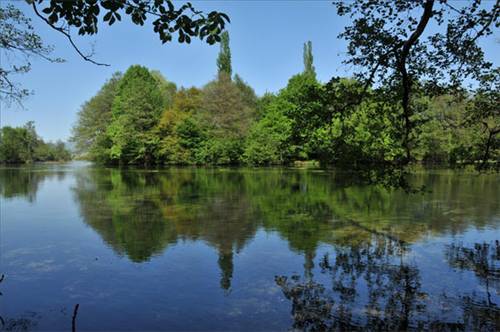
x=242, y=249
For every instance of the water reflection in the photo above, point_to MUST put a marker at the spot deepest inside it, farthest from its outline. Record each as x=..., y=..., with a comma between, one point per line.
x=377, y=268
x=27, y=322
x=139, y=214
x=483, y=259
x=376, y=287
x=363, y=259
x=25, y=182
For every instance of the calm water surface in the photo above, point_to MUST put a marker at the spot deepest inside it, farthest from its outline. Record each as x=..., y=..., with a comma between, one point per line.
x=243, y=249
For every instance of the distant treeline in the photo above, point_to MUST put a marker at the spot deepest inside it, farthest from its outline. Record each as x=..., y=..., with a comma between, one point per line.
x=22, y=145
x=141, y=118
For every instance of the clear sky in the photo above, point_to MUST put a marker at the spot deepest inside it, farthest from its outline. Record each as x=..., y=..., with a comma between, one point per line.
x=266, y=43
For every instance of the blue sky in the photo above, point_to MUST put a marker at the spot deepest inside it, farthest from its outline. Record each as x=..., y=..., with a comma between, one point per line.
x=266, y=45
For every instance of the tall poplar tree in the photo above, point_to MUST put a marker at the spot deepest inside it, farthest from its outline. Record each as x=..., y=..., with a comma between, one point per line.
x=224, y=58
x=308, y=59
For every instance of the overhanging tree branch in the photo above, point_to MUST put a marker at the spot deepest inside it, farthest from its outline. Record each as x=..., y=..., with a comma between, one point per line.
x=68, y=36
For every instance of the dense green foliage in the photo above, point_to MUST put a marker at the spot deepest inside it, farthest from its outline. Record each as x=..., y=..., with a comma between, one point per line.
x=22, y=145
x=135, y=113
x=141, y=118
x=393, y=44
x=93, y=119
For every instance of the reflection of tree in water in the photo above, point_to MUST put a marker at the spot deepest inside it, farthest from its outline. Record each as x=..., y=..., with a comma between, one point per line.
x=480, y=316
x=378, y=268
x=223, y=218
x=26, y=322
x=311, y=307
x=24, y=182
x=484, y=260
x=121, y=208
x=140, y=213
x=372, y=287
x=308, y=208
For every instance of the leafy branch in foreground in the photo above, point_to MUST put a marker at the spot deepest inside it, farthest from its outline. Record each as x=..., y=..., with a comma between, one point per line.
x=186, y=22
x=19, y=42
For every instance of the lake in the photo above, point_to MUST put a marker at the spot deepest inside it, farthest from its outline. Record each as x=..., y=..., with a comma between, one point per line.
x=246, y=249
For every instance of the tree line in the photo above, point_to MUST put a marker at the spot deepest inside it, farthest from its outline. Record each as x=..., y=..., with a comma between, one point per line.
x=139, y=117
x=23, y=145
x=406, y=101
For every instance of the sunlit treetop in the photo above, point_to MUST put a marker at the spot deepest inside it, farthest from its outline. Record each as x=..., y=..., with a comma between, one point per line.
x=308, y=59
x=224, y=58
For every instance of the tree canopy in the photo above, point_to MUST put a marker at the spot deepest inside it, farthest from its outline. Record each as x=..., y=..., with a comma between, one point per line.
x=145, y=119
x=407, y=100
x=135, y=111
x=390, y=43
x=23, y=145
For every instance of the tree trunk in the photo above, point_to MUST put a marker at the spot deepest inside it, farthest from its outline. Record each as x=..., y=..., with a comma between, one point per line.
x=406, y=77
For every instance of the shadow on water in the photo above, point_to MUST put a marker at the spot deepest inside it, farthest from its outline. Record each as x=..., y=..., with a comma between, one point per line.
x=372, y=280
